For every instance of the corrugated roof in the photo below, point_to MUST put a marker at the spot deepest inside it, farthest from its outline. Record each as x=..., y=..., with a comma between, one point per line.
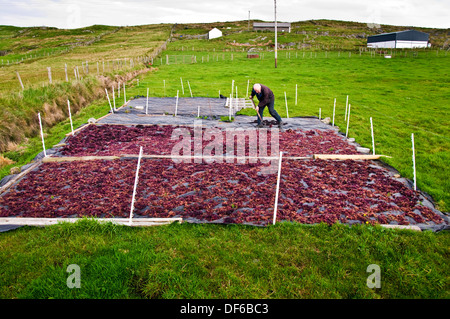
x=271, y=24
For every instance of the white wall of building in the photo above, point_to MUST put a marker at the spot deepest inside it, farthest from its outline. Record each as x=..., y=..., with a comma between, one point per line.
x=385, y=44
x=411, y=44
x=214, y=33
x=399, y=44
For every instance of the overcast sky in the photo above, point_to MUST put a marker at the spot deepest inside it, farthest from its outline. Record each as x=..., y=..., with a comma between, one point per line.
x=80, y=13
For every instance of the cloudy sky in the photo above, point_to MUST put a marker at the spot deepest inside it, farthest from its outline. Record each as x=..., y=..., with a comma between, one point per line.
x=80, y=13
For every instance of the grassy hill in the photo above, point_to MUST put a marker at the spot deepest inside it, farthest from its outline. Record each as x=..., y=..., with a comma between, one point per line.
x=405, y=94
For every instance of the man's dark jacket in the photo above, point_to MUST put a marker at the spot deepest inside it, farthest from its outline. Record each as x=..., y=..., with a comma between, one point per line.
x=265, y=97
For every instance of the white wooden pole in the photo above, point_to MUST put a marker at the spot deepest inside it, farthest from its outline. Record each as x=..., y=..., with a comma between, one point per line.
x=373, y=140
x=276, y=33
x=285, y=100
x=135, y=185
x=124, y=94
x=49, y=70
x=230, y=106
x=190, y=88
x=334, y=109
x=278, y=189
x=348, y=120
x=146, y=106
x=346, y=106
x=320, y=113
x=42, y=134
x=114, y=98
x=70, y=116
x=182, y=88
x=198, y=112
x=232, y=88
x=296, y=91
x=109, y=101
x=248, y=84
x=414, y=161
x=176, y=104
x=20, y=80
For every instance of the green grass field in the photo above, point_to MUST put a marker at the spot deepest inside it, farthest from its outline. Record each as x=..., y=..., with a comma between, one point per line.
x=406, y=94
x=214, y=261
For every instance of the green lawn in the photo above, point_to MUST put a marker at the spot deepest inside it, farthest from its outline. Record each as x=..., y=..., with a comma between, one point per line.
x=216, y=261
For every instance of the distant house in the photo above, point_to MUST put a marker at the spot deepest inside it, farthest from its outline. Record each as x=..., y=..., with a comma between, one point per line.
x=399, y=40
x=214, y=33
x=270, y=26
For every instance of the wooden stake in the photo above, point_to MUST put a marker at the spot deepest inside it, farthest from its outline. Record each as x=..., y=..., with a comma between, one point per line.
x=296, y=95
x=373, y=141
x=334, y=109
x=176, y=104
x=278, y=189
x=70, y=116
x=285, y=99
x=109, y=101
x=182, y=88
x=20, y=80
x=146, y=107
x=114, y=98
x=135, y=185
x=348, y=121
x=248, y=84
x=190, y=88
x=414, y=161
x=42, y=134
x=232, y=88
x=346, y=106
x=124, y=94
x=49, y=71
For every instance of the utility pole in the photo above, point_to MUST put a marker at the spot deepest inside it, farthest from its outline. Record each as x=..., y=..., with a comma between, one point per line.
x=276, y=29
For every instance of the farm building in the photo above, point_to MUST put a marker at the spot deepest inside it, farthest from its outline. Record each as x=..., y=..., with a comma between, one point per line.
x=270, y=26
x=214, y=33
x=399, y=40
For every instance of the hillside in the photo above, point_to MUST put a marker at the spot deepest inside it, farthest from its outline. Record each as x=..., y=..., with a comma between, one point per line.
x=311, y=35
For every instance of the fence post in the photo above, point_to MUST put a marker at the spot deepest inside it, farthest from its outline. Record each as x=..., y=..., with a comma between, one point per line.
x=414, y=161
x=42, y=134
x=49, y=71
x=278, y=189
x=20, y=80
x=135, y=185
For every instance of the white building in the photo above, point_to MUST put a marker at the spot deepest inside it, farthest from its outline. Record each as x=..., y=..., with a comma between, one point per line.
x=398, y=40
x=214, y=33
x=270, y=26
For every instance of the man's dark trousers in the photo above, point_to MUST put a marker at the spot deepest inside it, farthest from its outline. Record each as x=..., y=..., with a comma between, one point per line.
x=272, y=111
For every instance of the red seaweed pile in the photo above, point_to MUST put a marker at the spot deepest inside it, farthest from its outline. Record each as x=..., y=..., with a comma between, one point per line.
x=311, y=191
x=106, y=140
